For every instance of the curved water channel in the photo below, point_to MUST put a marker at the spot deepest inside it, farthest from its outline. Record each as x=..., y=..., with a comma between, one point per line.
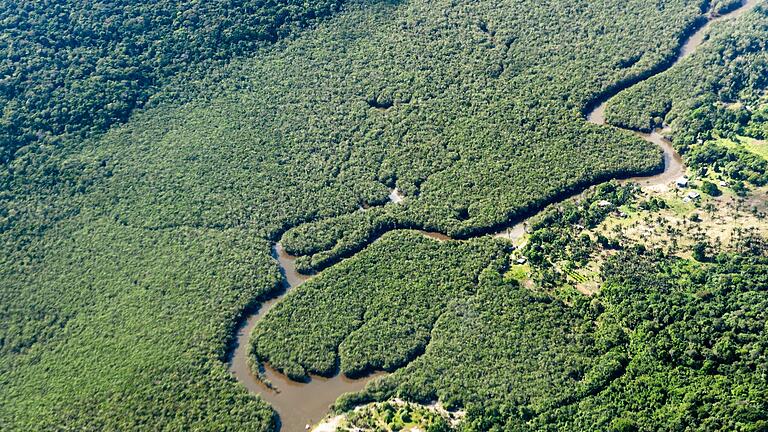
x=306, y=403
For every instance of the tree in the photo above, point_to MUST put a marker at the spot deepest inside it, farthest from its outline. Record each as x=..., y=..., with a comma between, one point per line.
x=710, y=188
x=700, y=251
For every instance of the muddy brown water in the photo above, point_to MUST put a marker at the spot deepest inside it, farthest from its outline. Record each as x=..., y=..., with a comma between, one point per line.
x=306, y=403
x=674, y=167
x=297, y=403
x=673, y=163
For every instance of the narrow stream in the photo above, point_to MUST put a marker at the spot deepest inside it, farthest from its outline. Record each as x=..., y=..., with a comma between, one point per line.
x=673, y=163
x=301, y=404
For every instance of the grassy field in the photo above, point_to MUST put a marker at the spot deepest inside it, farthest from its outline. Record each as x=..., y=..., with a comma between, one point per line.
x=756, y=146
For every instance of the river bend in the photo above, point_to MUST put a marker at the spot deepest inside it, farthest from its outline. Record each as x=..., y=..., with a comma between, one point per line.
x=301, y=404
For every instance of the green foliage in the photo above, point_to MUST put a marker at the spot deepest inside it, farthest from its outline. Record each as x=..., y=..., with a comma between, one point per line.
x=700, y=251
x=73, y=67
x=710, y=188
x=720, y=7
x=671, y=346
x=653, y=204
x=374, y=311
x=326, y=241
x=128, y=257
x=739, y=187
x=695, y=97
x=687, y=366
x=109, y=327
x=735, y=163
x=757, y=124
x=667, y=344
x=389, y=417
x=731, y=66
x=460, y=185
x=623, y=425
x=557, y=231
x=504, y=354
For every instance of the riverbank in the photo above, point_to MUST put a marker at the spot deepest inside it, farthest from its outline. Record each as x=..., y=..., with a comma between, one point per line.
x=298, y=404
x=391, y=415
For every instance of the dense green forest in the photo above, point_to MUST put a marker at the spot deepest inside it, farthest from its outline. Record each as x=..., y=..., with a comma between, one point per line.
x=372, y=312
x=667, y=345
x=74, y=67
x=716, y=93
x=153, y=152
x=107, y=327
x=730, y=67
x=474, y=148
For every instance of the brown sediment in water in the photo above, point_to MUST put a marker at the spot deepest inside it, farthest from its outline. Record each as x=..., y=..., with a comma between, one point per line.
x=674, y=167
x=306, y=403
x=673, y=162
x=297, y=403
x=513, y=233
x=695, y=40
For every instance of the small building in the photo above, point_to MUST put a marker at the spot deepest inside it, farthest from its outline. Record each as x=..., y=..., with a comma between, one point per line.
x=693, y=195
x=682, y=182
x=521, y=261
x=723, y=183
x=604, y=203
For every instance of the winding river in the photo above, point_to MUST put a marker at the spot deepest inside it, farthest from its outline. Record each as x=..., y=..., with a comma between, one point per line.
x=301, y=404
x=297, y=404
